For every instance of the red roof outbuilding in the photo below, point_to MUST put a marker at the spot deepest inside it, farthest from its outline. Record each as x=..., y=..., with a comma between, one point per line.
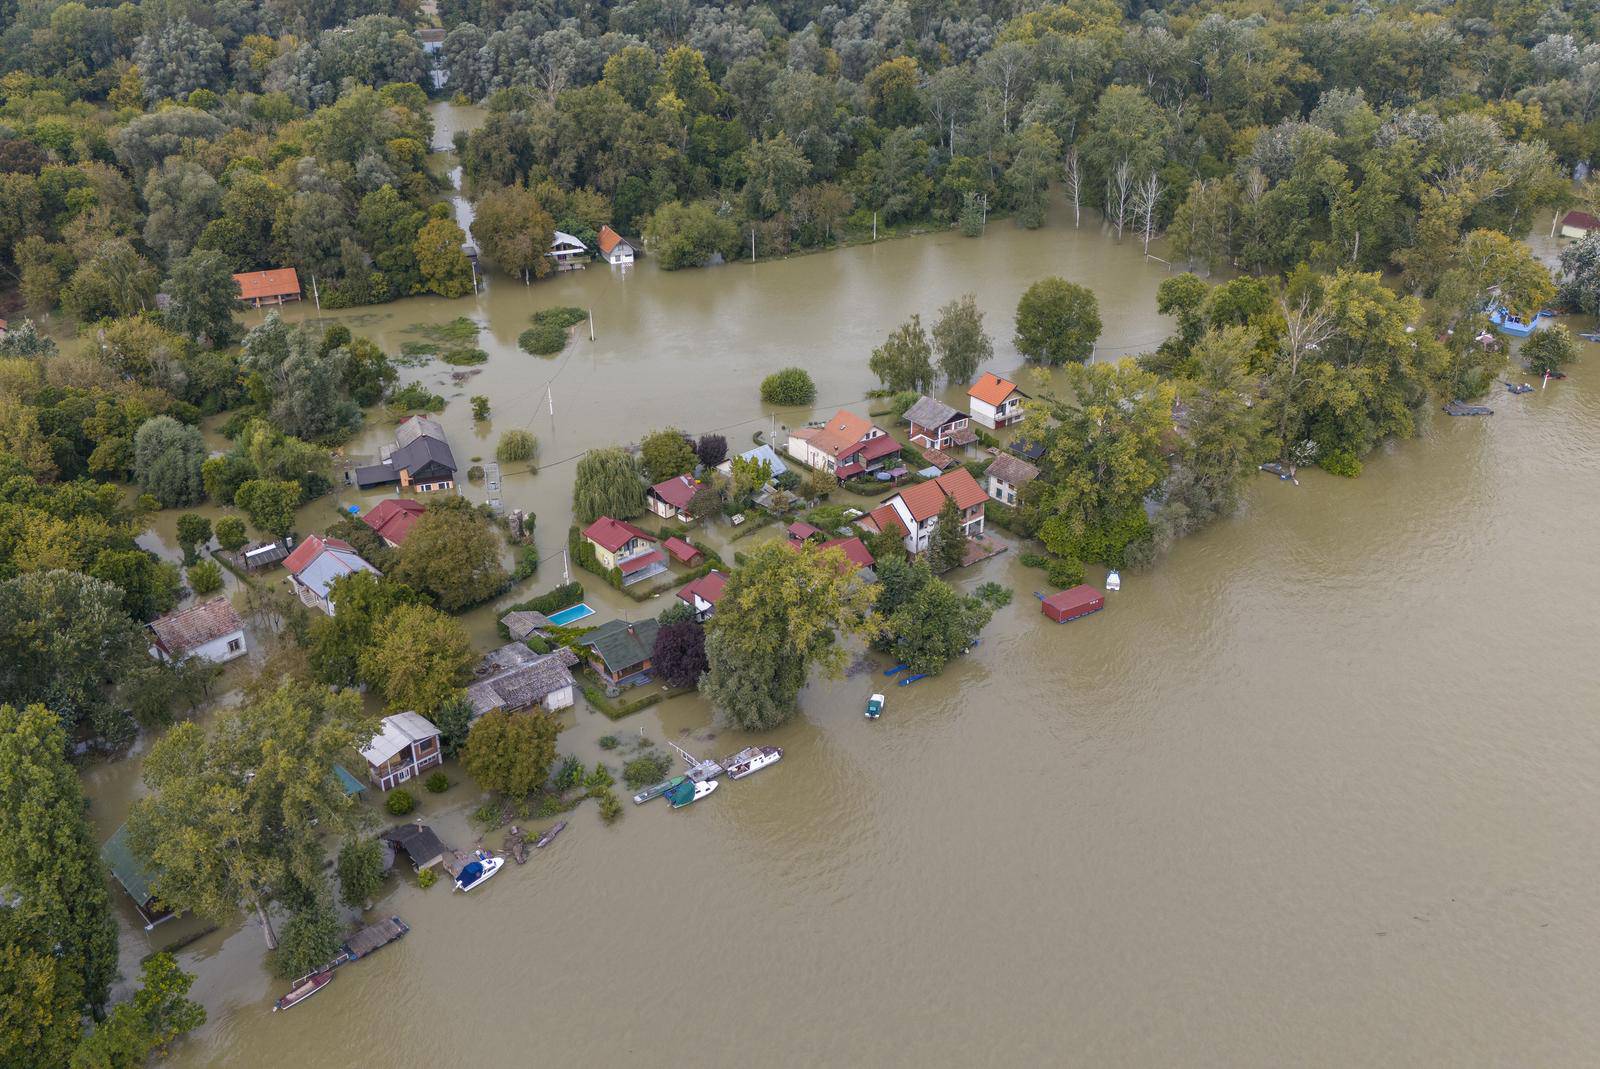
x=269, y=287
x=1072, y=603
x=393, y=519
x=681, y=551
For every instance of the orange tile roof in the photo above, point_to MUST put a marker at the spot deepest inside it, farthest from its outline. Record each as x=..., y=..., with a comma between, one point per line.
x=841, y=432
x=888, y=519
x=960, y=485
x=991, y=389
x=923, y=500
x=278, y=283
x=608, y=239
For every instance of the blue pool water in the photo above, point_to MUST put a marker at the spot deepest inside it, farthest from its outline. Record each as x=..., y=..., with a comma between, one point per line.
x=571, y=614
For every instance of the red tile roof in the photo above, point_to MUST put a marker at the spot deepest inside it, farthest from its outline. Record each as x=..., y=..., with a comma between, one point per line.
x=881, y=446
x=855, y=551
x=681, y=551
x=608, y=240
x=633, y=564
x=888, y=519
x=800, y=530
x=676, y=491
x=611, y=535
x=960, y=485
x=393, y=518
x=708, y=586
x=310, y=549
x=992, y=389
x=257, y=284
x=179, y=632
x=1581, y=220
x=924, y=500
x=841, y=432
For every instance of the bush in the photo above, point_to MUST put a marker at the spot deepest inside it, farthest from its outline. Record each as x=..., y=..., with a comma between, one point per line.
x=427, y=878
x=609, y=742
x=995, y=594
x=570, y=774
x=437, y=783
x=643, y=771
x=475, y=473
x=1033, y=560
x=465, y=357
x=600, y=778
x=1341, y=462
x=563, y=316
x=791, y=386
x=543, y=339
x=515, y=446
x=415, y=398
x=205, y=578
x=1064, y=572
x=399, y=802
x=489, y=816
x=610, y=807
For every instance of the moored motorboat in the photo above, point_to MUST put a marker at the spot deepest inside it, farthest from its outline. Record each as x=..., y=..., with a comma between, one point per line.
x=482, y=867
x=752, y=760
x=1113, y=580
x=549, y=837
x=875, y=707
x=656, y=791
x=687, y=793
x=303, y=989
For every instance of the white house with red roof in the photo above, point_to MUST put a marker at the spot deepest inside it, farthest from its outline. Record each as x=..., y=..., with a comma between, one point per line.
x=913, y=513
x=670, y=498
x=614, y=247
x=629, y=549
x=994, y=402
x=846, y=445
x=1576, y=224
x=703, y=594
x=317, y=563
x=210, y=630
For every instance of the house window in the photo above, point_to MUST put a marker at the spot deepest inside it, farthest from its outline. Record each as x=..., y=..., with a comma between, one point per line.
x=235, y=645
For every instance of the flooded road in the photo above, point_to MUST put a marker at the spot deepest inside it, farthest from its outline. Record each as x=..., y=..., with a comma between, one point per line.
x=1319, y=788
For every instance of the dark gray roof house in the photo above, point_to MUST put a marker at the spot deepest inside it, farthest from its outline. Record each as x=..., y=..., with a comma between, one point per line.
x=420, y=458
x=621, y=648
x=417, y=842
x=521, y=624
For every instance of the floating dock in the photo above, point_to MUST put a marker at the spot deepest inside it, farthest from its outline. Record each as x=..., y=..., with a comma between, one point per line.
x=1457, y=408
x=372, y=938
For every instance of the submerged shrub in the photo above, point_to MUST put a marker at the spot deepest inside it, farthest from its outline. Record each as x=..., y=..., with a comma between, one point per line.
x=791, y=386
x=399, y=802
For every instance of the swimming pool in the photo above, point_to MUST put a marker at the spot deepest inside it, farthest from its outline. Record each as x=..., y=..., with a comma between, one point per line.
x=570, y=614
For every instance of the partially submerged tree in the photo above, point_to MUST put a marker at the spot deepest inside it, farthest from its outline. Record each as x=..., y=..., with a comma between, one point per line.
x=166, y=461
x=511, y=753
x=453, y=554
x=58, y=940
x=606, y=483
x=235, y=817
x=1057, y=322
x=905, y=360
x=419, y=658
x=781, y=613
x=962, y=343
x=666, y=453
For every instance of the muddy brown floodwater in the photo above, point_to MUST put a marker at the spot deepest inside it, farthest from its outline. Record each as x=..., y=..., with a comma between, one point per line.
x=1319, y=788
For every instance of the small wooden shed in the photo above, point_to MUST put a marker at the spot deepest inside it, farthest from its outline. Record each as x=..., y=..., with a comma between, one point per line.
x=1072, y=603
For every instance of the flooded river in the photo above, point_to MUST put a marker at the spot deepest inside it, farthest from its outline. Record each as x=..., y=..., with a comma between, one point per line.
x=1319, y=788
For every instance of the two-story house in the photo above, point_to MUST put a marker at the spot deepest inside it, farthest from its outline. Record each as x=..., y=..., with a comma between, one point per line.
x=670, y=498
x=995, y=402
x=913, y=513
x=935, y=425
x=703, y=594
x=620, y=545
x=419, y=460
x=1007, y=475
x=406, y=745
x=846, y=445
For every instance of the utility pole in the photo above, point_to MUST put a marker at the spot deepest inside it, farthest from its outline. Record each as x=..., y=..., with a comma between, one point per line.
x=874, y=226
x=591, y=324
x=315, y=295
x=549, y=399
x=752, y=244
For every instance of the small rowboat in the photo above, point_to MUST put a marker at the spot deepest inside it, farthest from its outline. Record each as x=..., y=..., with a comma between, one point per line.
x=550, y=836
x=896, y=669
x=908, y=680
x=303, y=989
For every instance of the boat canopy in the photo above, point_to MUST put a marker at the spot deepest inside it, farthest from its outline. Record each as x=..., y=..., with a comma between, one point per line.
x=682, y=793
x=470, y=873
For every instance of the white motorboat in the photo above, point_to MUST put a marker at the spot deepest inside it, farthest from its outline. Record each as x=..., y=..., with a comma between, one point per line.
x=749, y=761
x=480, y=868
x=681, y=797
x=1113, y=580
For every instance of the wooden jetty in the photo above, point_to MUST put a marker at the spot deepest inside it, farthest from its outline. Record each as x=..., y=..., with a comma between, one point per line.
x=372, y=938
x=699, y=771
